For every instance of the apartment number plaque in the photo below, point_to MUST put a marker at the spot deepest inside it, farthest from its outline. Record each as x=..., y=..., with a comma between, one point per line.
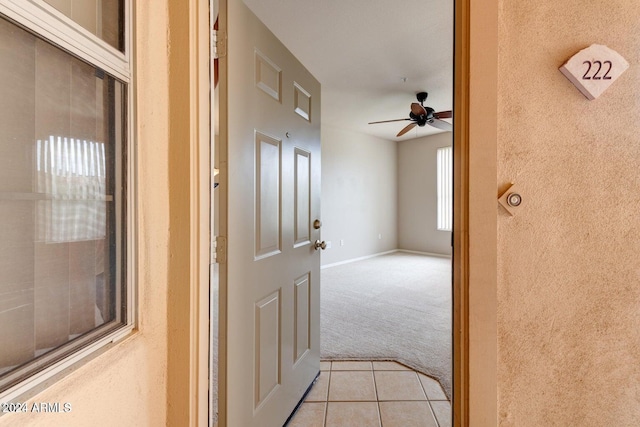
x=594, y=69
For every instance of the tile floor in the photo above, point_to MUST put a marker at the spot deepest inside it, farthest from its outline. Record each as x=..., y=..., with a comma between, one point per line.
x=371, y=393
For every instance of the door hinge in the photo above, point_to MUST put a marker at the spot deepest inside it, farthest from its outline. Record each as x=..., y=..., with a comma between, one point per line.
x=219, y=43
x=219, y=250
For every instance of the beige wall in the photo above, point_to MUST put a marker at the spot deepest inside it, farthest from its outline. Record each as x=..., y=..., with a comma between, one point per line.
x=127, y=385
x=359, y=194
x=568, y=263
x=418, y=195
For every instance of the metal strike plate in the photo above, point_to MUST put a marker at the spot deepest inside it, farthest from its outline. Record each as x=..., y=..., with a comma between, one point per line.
x=511, y=199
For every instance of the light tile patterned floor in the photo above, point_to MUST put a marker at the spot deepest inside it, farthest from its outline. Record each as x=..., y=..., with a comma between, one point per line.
x=376, y=394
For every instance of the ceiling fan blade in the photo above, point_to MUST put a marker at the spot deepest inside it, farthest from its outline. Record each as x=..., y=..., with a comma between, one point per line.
x=443, y=114
x=388, y=121
x=418, y=109
x=407, y=128
x=441, y=124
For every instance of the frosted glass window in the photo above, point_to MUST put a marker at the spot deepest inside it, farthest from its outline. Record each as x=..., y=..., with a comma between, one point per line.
x=62, y=203
x=103, y=18
x=445, y=188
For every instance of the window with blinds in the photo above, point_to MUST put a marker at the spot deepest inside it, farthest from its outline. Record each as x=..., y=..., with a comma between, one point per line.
x=66, y=264
x=445, y=188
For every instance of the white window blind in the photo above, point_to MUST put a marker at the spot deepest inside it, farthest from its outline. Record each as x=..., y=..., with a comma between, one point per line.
x=445, y=188
x=72, y=172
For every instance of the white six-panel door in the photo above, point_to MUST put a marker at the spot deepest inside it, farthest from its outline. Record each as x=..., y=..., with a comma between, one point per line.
x=270, y=178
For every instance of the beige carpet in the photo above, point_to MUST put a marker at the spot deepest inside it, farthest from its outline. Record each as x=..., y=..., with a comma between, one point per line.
x=396, y=306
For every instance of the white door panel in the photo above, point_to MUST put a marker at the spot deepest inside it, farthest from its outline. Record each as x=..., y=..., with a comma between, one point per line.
x=270, y=153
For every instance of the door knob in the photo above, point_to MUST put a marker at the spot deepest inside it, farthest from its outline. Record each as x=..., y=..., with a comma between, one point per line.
x=320, y=245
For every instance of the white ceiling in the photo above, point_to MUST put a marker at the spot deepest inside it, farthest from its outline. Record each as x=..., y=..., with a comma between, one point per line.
x=361, y=51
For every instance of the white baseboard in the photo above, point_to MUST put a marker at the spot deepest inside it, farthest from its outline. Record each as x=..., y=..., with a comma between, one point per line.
x=424, y=253
x=348, y=261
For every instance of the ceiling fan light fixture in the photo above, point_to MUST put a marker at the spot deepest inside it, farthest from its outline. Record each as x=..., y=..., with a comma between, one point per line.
x=420, y=115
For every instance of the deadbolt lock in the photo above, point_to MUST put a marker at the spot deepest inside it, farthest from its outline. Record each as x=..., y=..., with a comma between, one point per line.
x=317, y=224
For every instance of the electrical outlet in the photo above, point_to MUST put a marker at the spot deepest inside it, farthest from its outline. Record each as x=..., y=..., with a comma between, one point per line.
x=329, y=244
x=341, y=242
x=379, y=236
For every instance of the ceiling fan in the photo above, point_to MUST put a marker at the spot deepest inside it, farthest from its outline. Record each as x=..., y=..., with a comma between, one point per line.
x=421, y=115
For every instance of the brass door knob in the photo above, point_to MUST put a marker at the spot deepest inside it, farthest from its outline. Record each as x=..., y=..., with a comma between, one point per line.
x=320, y=245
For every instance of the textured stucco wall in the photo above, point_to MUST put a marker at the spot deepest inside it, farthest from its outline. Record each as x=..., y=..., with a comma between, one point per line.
x=127, y=385
x=568, y=263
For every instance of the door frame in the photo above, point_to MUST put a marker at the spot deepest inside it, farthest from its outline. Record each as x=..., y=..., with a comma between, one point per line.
x=475, y=216
x=188, y=203
x=475, y=388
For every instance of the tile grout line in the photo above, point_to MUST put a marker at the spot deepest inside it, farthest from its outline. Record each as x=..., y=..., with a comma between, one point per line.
x=433, y=414
x=424, y=390
x=326, y=396
x=375, y=388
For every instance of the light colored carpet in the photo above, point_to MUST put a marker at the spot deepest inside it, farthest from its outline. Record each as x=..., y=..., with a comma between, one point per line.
x=396, y=306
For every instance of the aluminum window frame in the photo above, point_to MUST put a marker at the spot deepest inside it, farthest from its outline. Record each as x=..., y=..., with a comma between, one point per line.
x=45, y=21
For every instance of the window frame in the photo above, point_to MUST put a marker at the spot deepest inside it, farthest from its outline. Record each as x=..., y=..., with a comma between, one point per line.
x=44, y=20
